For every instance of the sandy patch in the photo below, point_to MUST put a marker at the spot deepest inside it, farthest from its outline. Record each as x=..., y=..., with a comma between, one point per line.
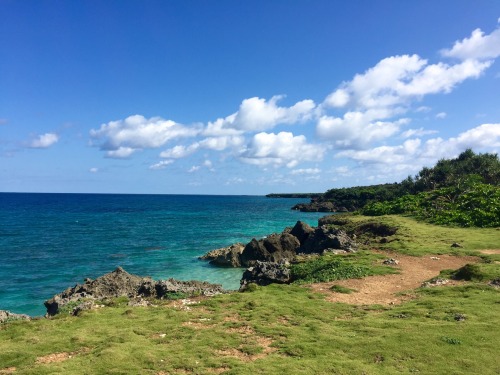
x=55, y=357
x=490, y=251
x=8, y=370
x=383, y=289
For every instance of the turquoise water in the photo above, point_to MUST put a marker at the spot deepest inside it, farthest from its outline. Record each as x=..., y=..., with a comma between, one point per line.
x=49, y=242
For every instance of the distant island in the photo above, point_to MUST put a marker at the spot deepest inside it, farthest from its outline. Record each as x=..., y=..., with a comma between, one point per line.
x=294, y=195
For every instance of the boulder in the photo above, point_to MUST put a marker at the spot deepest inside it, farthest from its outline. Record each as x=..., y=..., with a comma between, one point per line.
x=228, y=256
x=302, y=231
x=326, y=238
x=271, y=249
x=7, y=316
x=191, y=288
x=265, y=273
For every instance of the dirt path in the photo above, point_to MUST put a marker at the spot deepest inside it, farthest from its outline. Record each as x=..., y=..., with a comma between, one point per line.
x=383, y=289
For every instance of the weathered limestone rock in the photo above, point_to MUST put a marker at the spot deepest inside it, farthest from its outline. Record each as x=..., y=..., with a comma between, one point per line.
x=327, y=238
x=265, y=273
x=6, y=316
x=120, y=283
x=270, y=249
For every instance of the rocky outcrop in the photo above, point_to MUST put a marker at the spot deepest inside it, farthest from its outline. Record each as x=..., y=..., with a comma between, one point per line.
x=265, y=273
x=120, y=283
x=271, y=249
x=302, y=231
x=326, y=238
x=316, y=206
x=7, y=316
x=226, y=256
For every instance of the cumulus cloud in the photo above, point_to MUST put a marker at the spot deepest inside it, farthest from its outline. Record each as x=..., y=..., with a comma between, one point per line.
x=414, y=153
x=120, y=152
x=162, y=164
x=358, y=129
x=441, y=115
x=44, y=140
x=477, y=46
x=179, y=151
x=396, y=80
x=258, y=114
x=280, y=149
x=305, y=171
x=420, y=132
x=137, y=132
x=94, y=170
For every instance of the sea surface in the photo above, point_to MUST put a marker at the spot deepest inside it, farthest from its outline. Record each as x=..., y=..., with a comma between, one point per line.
x=49, y=242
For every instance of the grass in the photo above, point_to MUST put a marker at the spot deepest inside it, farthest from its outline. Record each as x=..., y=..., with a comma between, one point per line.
x=283, y=328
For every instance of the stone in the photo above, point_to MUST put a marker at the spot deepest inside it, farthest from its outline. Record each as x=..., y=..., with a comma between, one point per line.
x=302, y=231
x=391, y=262
x=7, y=316
x=265, y=273
x=120, y=283
x=270, y=249
x=326, y=237
x=456, y=244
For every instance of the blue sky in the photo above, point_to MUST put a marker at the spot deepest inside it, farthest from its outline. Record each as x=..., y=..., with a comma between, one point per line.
x=241, y=97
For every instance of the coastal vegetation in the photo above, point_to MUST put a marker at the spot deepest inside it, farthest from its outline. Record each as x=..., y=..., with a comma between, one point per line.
x=464, y=191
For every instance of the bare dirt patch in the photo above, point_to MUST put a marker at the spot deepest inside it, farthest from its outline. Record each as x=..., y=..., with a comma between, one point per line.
x=54, y=357
x=384, y=289
x=8, y=370
x=490, y=251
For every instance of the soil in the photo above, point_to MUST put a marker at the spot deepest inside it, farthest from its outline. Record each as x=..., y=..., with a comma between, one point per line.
x=385, y=290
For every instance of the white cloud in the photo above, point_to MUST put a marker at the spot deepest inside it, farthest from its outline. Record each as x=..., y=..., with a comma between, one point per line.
x=441, y=115
x=44, y=141
x=222, y=143
x=194, y=168
x=94, y=170
x=120, y=153
x=280, y=149
x=423, y=109
x=358, y=129
x=305, y=171
x=396, y=80
x=417, y=132
x=258, y=114
x=138, y=132
x=477, y=46
x=161, y=165
x=179, y=151
x=414, y=153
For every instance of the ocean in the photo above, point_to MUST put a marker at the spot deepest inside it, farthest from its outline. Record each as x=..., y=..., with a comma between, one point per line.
x=49, y=242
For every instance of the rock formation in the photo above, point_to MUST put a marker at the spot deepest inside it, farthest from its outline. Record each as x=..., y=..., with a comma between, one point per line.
x=120, y=283
x=265, y=273
x=7, y=316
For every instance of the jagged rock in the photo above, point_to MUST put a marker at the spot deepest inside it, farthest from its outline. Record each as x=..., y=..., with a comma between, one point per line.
x=265, y=273
x=391, y=262
x=315, y=207
x=6, y=316
x=325, y=237
x=191, y=288
x=495, y=283
x=270, y=249
x=226, y=256
x=302, y=231
x=435, y=282
x=120, y=283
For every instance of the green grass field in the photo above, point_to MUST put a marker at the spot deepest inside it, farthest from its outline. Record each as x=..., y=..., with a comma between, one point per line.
x=284, y=328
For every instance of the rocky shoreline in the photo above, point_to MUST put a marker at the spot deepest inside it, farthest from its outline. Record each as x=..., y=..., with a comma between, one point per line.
x=266, y=261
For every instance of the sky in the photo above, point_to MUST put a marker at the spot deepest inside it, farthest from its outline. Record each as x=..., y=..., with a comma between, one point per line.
x=241, y=97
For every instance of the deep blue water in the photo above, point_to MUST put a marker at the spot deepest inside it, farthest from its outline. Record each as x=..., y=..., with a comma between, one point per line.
x=49, y=242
